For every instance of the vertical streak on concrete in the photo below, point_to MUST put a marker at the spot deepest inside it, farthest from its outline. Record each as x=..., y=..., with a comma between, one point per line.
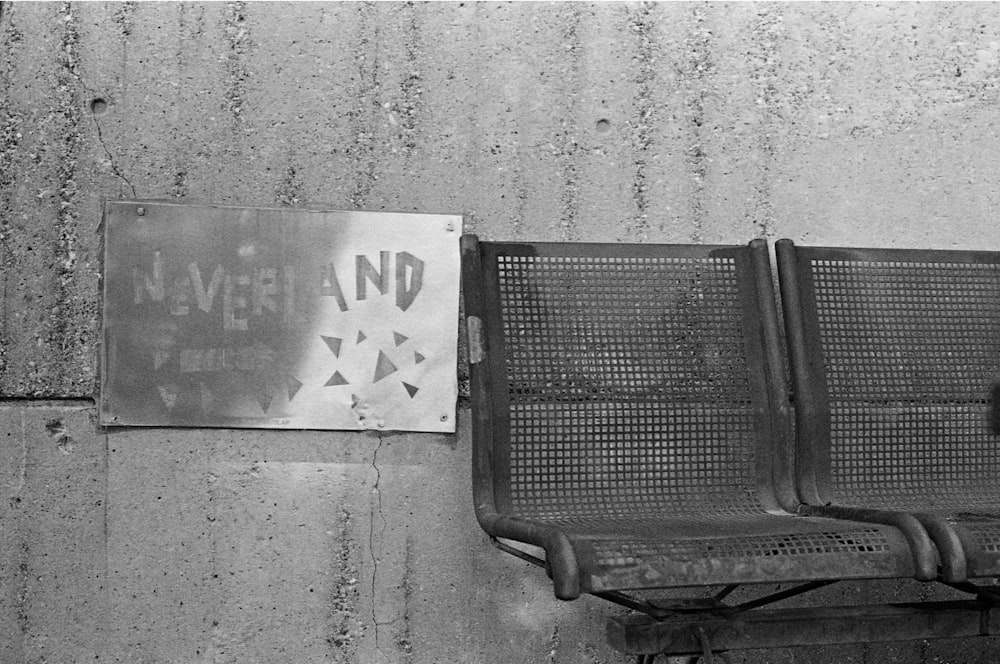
x=399, y=113
x=346, y=626
x=179, y=158
x=69, y=102
x=767, y=31
x=213, y=643
x=124, y=18
x=50, y=283
x=237, y=35
x=641, y=25
x=21, y=179
x=404, y=640
x=23, y=555
x=409, y=107
x=10, y=139
x=365, y=113
x=105, y=562
x=241, y=111
x=526, y=110
x=375, y=545
x=568, y=141
x=695, y=72
x=193, y=104
x=13, y=546
x=22, y=592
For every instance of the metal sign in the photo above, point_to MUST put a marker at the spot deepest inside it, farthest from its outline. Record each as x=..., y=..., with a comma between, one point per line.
x=279, y=318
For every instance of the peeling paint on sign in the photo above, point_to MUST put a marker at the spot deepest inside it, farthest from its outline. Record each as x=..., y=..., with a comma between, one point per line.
x=278, y=318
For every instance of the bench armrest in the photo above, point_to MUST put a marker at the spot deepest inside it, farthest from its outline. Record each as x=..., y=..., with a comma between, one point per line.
x=560, y=558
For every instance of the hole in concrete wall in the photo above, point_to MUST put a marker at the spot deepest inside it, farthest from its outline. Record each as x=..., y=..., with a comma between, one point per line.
x=603, y=126
x=98, y=106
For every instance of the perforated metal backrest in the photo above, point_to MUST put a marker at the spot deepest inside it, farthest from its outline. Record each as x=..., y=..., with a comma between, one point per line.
x=627, y=380
x=901, y=350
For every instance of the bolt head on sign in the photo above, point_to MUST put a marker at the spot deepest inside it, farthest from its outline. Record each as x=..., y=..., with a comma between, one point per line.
x=279, y=318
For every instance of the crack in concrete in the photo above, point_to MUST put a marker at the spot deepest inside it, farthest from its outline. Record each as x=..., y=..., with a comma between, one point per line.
x=100, y=135
x=78, y=73
x=111, y=159
x=376, y=508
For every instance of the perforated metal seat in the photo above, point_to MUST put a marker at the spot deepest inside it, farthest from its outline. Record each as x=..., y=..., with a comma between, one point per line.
x=630, y=417
x=895, y=354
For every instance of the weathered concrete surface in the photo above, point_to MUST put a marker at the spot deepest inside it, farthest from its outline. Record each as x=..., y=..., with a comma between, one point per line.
x=870, y=124
x=255, y=547
x=863, y=124
x=245, y=546
x=53, y=575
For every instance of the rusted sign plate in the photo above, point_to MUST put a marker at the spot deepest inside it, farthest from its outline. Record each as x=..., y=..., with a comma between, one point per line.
x=278, y=318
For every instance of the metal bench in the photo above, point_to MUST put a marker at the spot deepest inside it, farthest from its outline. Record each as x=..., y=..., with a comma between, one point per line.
x=631, y=419
x=896, y=366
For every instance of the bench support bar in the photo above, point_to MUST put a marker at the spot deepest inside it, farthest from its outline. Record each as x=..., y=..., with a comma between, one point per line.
x=779, y=628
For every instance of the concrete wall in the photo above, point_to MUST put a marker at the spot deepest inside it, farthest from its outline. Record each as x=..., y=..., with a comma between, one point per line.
x=859, y=124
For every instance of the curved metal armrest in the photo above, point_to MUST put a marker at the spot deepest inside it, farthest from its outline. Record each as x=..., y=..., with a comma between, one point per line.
x=559, y=555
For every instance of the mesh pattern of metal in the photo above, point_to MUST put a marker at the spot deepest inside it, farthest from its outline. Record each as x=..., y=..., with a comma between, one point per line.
x=623, y=551
x=628, y=387
x=985, y=529
x=911, y=352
